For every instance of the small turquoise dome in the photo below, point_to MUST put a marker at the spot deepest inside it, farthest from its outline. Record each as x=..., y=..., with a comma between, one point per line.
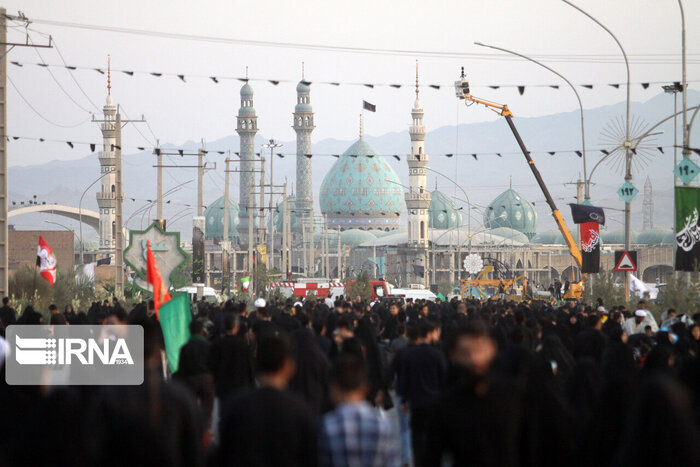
x=246, y=90
x=352, y=237
x=511, y=210
x=548, y=237
x=617, y=237
x=443, y=214
x=657, y=236
x=295, y=216
x=214, y=218
x=362, y=191
x=302, y=108
x=511, y=234
x=303, y=87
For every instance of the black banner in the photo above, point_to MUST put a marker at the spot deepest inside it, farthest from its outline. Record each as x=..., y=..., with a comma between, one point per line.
x=590, y=248
x=586, y=213
x=687, y=229
x=367, y=106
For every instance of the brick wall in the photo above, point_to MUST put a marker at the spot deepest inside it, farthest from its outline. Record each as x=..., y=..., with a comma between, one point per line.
x=23, y=244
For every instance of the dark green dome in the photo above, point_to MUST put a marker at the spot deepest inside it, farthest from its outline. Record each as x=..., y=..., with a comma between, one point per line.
x=657, y=236
x=443, y=214
x=214, y=217
x=511, y=210
x=548, y=237
x=617, y=237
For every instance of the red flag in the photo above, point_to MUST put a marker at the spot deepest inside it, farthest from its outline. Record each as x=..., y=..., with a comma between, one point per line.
x=160, y=293
x=46, y=261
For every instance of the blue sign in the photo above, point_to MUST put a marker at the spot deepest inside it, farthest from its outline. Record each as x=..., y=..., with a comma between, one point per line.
x=686, y=170
x=627, y=192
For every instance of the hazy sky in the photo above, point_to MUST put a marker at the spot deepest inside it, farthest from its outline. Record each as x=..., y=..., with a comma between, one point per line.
x=201, y=109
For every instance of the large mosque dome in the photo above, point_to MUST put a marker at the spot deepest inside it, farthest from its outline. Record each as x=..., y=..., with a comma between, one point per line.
x=214, y=218
x=511, y=210
x=443, y=214
x=361, y=191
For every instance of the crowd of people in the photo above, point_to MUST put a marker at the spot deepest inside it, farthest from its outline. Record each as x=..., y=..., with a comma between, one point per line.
x=353, y=383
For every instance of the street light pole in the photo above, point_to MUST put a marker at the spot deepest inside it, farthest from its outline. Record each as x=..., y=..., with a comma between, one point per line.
x=627, y=144
x=587, y=186
x=684, y=83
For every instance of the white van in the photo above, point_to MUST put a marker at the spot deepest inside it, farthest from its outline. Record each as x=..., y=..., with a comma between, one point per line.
x=210, y=294
x=414, y=294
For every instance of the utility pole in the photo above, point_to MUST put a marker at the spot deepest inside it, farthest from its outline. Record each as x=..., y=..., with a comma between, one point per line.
x=225, y=243
x=283, y=257
x=340, y=256
x=272, y=145
x=198, y=221
x=251, y=242
x=4, y=50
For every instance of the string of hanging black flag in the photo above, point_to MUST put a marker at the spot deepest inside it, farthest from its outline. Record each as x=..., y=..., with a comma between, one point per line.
x=475, y=155
x=182, y=77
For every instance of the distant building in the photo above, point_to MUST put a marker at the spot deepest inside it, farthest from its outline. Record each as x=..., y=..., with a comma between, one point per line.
x=23, y=244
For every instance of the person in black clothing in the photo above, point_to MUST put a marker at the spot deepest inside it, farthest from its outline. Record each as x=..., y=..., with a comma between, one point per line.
x=268, y=426
x=420, y=385
x=193, y=367
x=231, y=360
x=8, y=315
x=477, y=422
x=310, y=380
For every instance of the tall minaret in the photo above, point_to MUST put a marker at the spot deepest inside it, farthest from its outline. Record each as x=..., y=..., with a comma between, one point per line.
x=106, y=197
x=304, y=125
x=418, y=197
x=246, y=129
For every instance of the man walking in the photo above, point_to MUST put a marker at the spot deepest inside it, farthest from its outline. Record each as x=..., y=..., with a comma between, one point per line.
x=354, y=434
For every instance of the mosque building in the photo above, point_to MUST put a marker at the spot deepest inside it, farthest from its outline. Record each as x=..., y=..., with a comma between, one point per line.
x=362, y=202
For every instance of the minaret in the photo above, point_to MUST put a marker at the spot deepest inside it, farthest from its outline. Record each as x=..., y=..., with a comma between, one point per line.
x=106, y=197
x=418, y=197
x=246, y=129
x=304, y=125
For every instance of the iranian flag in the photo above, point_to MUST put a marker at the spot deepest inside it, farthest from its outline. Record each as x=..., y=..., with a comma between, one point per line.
x=46, y=261
x=245, y=282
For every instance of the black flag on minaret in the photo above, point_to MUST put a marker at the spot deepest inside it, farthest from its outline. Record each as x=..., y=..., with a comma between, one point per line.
x=367, y=106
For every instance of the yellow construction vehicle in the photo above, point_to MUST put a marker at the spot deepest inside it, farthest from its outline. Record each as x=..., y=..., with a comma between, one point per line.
x=463, y=92
x=469, y=286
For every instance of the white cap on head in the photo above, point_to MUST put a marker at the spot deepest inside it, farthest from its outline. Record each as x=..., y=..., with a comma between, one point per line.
x=601, y=309
x=298, y=304
x=259, y=303
x=640, y=313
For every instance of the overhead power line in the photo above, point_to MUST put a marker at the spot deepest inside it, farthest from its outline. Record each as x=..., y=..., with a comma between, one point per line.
x=572, y=58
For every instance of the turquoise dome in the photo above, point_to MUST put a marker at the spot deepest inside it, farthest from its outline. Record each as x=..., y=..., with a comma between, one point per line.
x=617, y=237
x=511, y=234
x=302, y=108
x=443, y=214
x=294, y=216
x=303, y=87
x=548, y=237
x=657, y=236
x=362, y=191
x=380, y=233
x=214, y=218
x=246, y=90
x=511, y=210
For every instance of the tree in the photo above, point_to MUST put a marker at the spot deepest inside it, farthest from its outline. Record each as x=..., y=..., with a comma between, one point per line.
x=360, y=286
x=681, y=294
x=604, y=286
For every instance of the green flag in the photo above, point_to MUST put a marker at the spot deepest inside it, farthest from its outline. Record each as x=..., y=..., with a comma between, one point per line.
x=175, y=317
x=687, y=228
x=245, y=282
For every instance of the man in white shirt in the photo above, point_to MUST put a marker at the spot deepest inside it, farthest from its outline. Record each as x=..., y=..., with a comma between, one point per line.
x=641, y=319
